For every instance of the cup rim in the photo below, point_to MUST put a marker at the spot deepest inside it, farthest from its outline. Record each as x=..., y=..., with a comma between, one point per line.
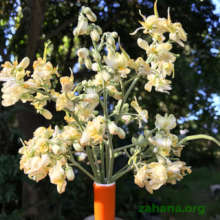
x=104, y=184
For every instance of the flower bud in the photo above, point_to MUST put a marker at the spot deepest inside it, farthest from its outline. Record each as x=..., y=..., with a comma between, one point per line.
x=89, y=14
x=112, y=128
x=82, y=27
x=95, y=67
x=99, y=29
x=121, y=133
x=47, y=114
x=75, y=31
x=142, y=43
x=83, y=53
x=69, y=173
x=126, y=119
x=96, y=56
x=88, y=63
x=95, y=35
x=77, y=147
x=115, y=130
x=114, y=34
x=81, y=156
x=24, y=63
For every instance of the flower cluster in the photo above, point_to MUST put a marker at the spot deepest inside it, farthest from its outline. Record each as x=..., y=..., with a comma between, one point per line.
x=162, y=145
x=160, y=59
x=45, y=154
x=91, y=120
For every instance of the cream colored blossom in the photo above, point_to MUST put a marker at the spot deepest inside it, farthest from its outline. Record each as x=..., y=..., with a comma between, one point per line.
x=43, y=132
x=115, y=130
x=94, y=35
x=82, y=26
x=160, y=84
x=176, y=170
x=162, y=144
x=89, y=14
x=69, y=173
x=176, y=30
x=94, y=132
x=12, y=92
x=114, y=92
x=36, y=167
x=63, y=102
x=152, y=176
x=57, y=176
x=84, y=110
x=43, y=71
x=67, y=83
x=70, y=134
x=8, y=70
x=143, y=68
x=14, y=70
x=142, y=113
x=118, y=62
x=90, y=96
x=153, y=24
x=177, y=33
x=167, y=122
x=46, y=113
x=77, y=147
x=83, y=53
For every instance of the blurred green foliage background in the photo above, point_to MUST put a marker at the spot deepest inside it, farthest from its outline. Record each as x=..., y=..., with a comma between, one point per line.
x=25, y=25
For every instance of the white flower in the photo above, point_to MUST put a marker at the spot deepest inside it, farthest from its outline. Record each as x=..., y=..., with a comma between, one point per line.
x=115, y=130
x=89, y=14
x=176, y=170
x=43, y=71
x=162, y=144
x=95, y=35
x=12, y=92
x=37, y=167
x=69, y=173
x=142, y=43
x=82, y=27
x=118, y=62
x=160, y=84
x=167, y=122
x=67, y=83
x=83, y=53
x=94, y=132
x=152, y=176
x=77, y=147
x=57, y=176
x=24, y=63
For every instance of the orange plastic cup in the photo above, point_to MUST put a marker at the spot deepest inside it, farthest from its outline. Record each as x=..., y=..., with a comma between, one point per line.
x=104, y=201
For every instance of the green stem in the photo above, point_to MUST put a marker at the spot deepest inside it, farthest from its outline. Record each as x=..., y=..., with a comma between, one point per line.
x=126, y=96
x=77, y=120
x=96, y=161
x=109, y=147
x=106, y=160
x=198, y=136
x=102, y=163
x=123, y=148
x=121, y=173
x=76, y=164
x=91, y=161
